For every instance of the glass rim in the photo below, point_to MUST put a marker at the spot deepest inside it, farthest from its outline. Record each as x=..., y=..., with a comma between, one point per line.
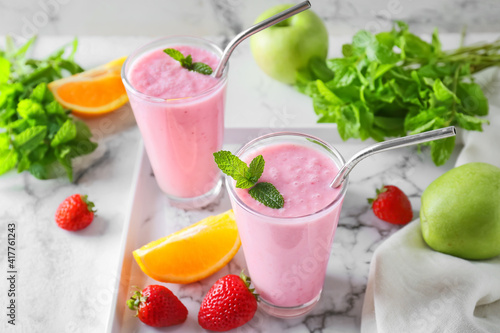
x=232, y=192
x=137, y=52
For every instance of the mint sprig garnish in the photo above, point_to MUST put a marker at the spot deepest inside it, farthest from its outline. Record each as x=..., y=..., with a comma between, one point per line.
x=248, y=177
x=187, y=62
x=267, y=194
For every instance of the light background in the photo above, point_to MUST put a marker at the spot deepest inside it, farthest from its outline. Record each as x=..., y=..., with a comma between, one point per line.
x=226, y=17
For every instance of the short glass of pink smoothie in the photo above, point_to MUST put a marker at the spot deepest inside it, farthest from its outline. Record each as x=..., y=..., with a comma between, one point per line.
x=287, y=249
x=180, y=114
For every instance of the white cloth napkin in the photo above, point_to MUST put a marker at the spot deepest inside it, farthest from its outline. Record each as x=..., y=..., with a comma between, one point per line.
x=412, y=288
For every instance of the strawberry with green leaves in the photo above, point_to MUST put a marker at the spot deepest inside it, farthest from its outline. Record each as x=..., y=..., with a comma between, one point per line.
x=157, y=306
x=76, y=212
x=392, y=205
x=230, y=303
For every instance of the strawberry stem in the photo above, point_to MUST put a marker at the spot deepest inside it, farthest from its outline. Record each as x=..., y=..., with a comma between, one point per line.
x=247, y=281
x=90, y=204
x=135, y=301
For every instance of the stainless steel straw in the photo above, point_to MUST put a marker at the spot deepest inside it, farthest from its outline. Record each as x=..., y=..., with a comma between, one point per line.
x=256, y=28
x=391, y=144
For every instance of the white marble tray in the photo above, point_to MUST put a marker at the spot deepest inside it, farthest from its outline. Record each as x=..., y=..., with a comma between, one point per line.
x=150, y=217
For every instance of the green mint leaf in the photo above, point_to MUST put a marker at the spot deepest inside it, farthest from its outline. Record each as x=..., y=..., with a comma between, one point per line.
x=268, y=195
x=39, y=170
x=442, y=93
x=416, y=47
x=28, y=108
x=436, y=43
x=187, y=62
x=54, y=108
x=23, y=164
x=30, y=138
x=82, y=130
x=18, y=126
x=38, y=94
x=4, y=70
x=256, y=168
x=64, y=159
x=66, y=133
x=473, y=99
x=38, y=153
x=361, y=40
x=175, y=54
x=317, y=66
x=244, y=183
x=347, y=50
x=8, y=160
x=470, y=123
x=202, y=68
x=232, y=166
x=4, y=141
x=441, y=150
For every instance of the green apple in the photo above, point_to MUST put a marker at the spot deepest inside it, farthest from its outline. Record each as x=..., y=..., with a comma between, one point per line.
x=460, y=212
x=283, y=48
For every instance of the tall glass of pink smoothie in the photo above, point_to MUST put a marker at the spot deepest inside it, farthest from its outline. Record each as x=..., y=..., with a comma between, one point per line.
x=287, y=249
x=180, y=114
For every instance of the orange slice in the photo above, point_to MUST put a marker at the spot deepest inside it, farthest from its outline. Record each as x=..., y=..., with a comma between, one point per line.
x=192, y=253
x=93, y=92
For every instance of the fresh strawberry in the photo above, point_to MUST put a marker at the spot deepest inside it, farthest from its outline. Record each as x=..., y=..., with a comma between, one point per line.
x=157, y=306
x=75, y=213
x=392, y=205
x=230, y=303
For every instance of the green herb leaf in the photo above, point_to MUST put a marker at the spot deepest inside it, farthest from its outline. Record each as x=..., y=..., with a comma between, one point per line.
x=4, y=70
x=247, y=177
x=442, y=92
x=23, y=164
x=268, y=195
x=38, y=94
x=175, y=54
x=30, y=138
x=441, y=150
x=470, y=123
x=66, y=133
x=187, y=62
x=8, y=160
x=28, y=108
x=4, y=141
x=202, y=68
x=473, y=100
x=232, y=166
x=256, y=168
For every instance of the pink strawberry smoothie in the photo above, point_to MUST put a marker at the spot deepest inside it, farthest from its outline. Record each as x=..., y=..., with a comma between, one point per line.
x=184, y=126
x=287, y=249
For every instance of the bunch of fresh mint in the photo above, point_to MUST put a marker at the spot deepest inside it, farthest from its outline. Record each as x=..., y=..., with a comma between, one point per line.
x=394, y=83
x=247, y=176
x=36, y=133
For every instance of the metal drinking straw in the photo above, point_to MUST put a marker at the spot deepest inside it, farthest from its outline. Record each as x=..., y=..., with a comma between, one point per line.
x=256, y=28
x=389, y=145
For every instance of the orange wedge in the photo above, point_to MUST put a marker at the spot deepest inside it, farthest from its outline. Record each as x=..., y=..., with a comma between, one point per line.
x=94, y=92
x=192, y=253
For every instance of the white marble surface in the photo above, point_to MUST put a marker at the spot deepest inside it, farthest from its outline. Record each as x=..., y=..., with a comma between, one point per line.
x=67, y=280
